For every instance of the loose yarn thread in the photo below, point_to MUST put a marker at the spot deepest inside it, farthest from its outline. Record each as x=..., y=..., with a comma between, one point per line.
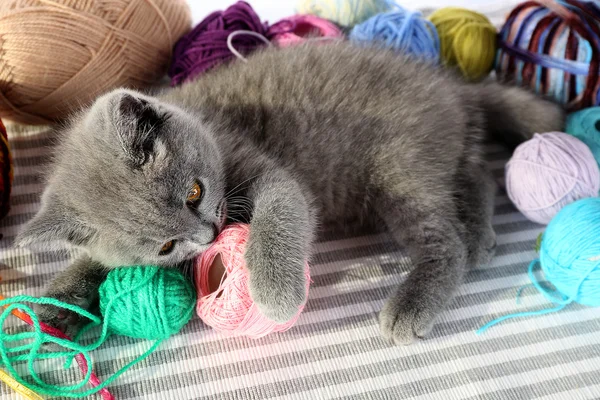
x=207, y=44
x=401, y=30
x=548, y=172
x=85, y=48
x=230, y=309
x=554, y=48
x=569, y=259
x=585, y=126
x=159, y=302
x=344, y=12
x=467, y=39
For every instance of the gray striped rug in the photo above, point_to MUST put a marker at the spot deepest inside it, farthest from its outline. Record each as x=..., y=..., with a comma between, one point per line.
x=335, y=350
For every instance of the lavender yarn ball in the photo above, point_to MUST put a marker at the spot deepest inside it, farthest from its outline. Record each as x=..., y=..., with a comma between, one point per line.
x=548, y=172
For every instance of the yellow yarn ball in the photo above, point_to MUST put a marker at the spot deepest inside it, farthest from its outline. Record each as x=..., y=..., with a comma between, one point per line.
x=57, y=55
x=344, y=12
x=467, y=39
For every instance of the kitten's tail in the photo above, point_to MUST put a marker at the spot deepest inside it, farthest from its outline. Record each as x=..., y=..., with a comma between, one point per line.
x=513, y=114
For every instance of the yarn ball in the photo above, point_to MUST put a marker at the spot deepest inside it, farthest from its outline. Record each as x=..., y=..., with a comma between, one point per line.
x=569, y=259
x=224, y=301
x=402, y=30
x=149, y=302
x=570, y=252
x=6, y=172
x=206, y=45
x=56, y=56
x=548, y=172
x=344, y=12
x=554, y=48
x=467, y=40
x=298, y=28
x=585, y=126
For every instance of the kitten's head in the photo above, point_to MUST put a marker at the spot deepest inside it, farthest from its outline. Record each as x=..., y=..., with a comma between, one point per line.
x=135, y=181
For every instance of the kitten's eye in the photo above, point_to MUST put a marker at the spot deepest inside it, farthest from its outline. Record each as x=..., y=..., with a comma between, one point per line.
x=167, y=248
x=195, y=194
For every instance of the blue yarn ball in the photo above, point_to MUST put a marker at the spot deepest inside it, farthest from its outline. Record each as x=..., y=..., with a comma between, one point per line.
x=402, y=30
x=585, y=126
x=570, y=252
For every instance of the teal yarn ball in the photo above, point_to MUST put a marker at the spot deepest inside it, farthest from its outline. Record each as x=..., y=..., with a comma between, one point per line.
x=401, y=30
x=146, y=302
x=569, y=260
x=570, y=252
x=585, y=126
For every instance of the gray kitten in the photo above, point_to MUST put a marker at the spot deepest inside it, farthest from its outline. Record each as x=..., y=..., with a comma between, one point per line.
x=292, y=138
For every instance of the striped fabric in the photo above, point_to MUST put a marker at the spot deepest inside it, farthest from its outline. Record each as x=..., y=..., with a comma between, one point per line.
x=335, y=351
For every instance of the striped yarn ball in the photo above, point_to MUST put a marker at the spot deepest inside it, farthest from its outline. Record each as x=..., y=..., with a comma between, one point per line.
x=548, y=172
x=553, y=47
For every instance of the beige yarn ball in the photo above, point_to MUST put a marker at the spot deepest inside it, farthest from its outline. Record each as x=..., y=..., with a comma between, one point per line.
x=58, y=55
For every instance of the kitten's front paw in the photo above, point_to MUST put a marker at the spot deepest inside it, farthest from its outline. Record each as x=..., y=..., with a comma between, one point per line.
x=404, y=320
x=66, y=321
x=277, y=297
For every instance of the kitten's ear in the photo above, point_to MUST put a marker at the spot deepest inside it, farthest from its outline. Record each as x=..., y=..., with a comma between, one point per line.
x=137, y=123
x=54, y=226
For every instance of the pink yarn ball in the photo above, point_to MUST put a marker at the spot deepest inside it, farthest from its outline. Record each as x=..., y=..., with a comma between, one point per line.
x=229, y=309
x=548, y=172
x=299, y=28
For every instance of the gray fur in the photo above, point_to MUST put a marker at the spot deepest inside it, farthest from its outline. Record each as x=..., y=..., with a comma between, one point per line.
x=292, y=138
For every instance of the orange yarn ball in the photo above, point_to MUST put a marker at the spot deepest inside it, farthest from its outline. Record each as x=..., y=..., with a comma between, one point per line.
x=57, y=55
x=224, y=301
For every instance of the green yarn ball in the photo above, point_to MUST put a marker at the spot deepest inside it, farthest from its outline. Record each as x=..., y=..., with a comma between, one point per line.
x=146, y=302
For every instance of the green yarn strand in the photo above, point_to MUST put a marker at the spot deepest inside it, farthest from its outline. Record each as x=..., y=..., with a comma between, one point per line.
x=142, y=302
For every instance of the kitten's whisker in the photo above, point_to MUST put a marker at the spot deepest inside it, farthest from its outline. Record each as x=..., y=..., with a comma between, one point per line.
x=240, y=184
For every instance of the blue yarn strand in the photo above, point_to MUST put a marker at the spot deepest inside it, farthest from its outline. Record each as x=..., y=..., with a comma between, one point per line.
x=560, y=303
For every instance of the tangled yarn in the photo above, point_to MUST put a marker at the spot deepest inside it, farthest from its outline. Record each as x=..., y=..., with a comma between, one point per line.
x=585, y=126
x=134, y=301
x=548, y=172
x=554, y=48
x=402, y=30
x=6, y=172
x=569, y=259
x=298, y=28
x=229, y=308
x=467, y=39
x=56, y=55
x=206, y=45
x=344, y=12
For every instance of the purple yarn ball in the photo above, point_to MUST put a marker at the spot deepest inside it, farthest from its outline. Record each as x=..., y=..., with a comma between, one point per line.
x=206, y=45
x=548, y=172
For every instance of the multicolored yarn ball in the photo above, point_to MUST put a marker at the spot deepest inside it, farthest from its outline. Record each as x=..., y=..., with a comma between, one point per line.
x=569, y=259
x=344, y=12
x=206, y=45
x=548, y=172
x=299, y=28
x=159, y=302
x=224, y=301
x=6, y=172
x=585, y=126
x=402, y=30
x=467, y=39
x=56, y=55
x=554, y=48
x=142, y=302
